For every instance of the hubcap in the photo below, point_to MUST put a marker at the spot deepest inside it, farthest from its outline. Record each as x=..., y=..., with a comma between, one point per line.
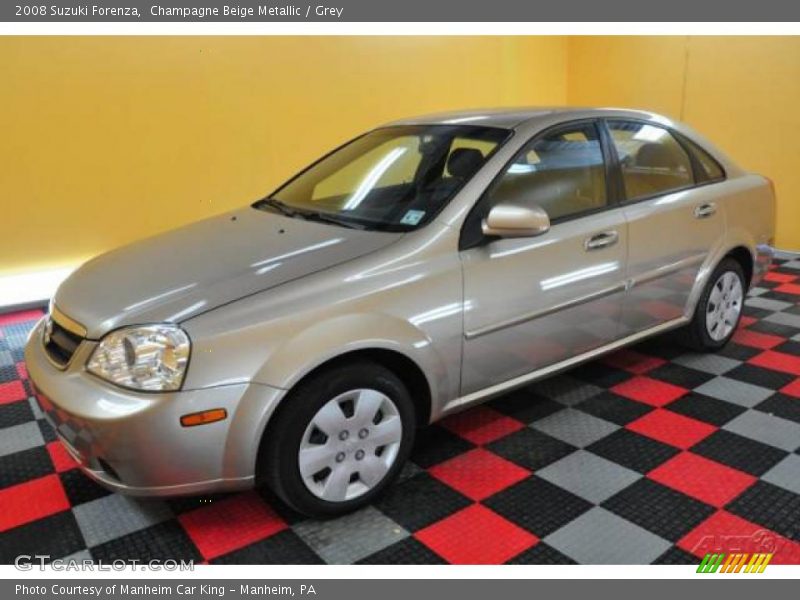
x=724, y=306
x=350, y=445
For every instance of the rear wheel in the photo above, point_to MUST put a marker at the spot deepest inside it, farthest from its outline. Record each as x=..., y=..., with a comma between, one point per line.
x=719, y=309
x=339, y=440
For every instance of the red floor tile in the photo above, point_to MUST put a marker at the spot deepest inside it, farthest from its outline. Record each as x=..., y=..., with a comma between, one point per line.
x=792, y=389
x=230, y=524
x=724, y=532
x=671, y=428
x=22, y=370
x=702, y=478
x=476, y=535
x=30, y=501
x=777, y=361
x=478, y=473
x=20, y=317
x=746, y=321
x=12, y=391
x=62, y=461
x=633, y=362
x=481, y=425
x=779, y=277
x=788, y=288
x=763, y=341
x=649, y=391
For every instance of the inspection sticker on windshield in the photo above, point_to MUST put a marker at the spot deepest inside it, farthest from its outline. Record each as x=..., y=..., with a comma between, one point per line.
x=412, y=217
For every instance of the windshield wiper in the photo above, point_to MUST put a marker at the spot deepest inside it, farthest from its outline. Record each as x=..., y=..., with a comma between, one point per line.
x=326, y=218
x=281, y=207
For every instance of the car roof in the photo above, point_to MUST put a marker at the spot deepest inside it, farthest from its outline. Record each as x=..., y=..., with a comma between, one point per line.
x=512, y=118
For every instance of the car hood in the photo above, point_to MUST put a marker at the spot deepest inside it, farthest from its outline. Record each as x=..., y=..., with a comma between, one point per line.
x=179, y=274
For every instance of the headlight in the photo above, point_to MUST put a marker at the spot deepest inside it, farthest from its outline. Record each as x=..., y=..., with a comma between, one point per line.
x=149, y=357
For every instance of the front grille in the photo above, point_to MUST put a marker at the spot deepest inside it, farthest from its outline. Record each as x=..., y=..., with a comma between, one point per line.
x=59, y=343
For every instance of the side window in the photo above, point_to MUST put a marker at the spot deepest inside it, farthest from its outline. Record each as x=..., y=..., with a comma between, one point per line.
x=651, y=159
x=711, y=170
x=563, y=173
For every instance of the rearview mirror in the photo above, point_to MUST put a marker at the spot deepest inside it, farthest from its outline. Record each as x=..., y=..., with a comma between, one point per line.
x=512, y=220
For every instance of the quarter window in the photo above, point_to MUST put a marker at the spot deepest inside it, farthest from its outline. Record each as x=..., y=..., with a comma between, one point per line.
x=651, y=159
x=711, y=171
x=562, y=173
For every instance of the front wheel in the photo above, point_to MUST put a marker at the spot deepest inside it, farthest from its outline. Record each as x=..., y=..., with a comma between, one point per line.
x=339, y=440
x=719, y=309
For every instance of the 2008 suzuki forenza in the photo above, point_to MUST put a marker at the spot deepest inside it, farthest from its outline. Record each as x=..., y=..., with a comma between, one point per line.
x=419, y=269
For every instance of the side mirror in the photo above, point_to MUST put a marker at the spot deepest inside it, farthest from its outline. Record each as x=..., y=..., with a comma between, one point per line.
x=512, y=220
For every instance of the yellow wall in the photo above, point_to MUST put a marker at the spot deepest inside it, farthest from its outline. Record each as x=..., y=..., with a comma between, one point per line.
x=741, y=92
x=107, y=139
x=104, y=140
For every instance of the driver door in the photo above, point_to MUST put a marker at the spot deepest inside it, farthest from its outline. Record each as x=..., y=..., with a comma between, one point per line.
x=536, y=301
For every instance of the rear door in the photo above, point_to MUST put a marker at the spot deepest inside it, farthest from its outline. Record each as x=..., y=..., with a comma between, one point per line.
x=672, y=224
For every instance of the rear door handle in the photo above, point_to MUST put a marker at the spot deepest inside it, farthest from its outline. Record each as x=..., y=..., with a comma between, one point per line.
x=705, y=210
x=601, y=240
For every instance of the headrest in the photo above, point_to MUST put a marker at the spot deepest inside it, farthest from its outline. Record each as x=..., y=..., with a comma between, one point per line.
x=463, y=162
x=656, y=156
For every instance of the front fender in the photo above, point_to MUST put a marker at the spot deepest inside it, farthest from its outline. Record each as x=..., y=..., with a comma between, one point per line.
x=321, y=342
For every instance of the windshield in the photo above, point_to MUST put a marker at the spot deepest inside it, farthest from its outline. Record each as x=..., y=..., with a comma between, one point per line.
x=391, y=179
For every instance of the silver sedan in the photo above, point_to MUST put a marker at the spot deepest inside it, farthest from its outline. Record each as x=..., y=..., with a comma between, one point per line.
x=415, y=271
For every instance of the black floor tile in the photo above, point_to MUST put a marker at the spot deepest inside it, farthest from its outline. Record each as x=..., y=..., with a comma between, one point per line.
x=283, y=548
x=614, y=408
x=679, y=375
x=530, y=448
x=163, y=541
x=739, y=452
x=420, y=501
x=541, y=554
x=435, y=444
x=659, y=509
x=405, y=552
x=23, y=466
x=705, y=408
x=538, y=505
x=766, y=378
x=632, y=450
x=771, y=506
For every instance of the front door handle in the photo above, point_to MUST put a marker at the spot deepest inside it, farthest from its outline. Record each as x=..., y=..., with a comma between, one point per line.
x=705, y=210
x=601, y=240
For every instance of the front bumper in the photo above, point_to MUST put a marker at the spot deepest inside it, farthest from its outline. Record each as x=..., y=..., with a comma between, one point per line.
x=134, y=443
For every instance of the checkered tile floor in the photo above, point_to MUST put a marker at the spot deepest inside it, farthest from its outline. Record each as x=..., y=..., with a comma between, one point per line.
x=650, y=455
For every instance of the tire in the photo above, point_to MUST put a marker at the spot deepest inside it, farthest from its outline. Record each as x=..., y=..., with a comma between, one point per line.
x=712, y=327
x=327, y=473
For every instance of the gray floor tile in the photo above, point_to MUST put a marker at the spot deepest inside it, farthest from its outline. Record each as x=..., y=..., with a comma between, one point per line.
x=351, y=537
x=37, y=412
x=708, y=363
x=575, y=427
x=768, y=429
x=588, y=476
x=782, y=318
x=600, y=537
x=6, y=360
x=785, y=474
x=767, y=304
x=116, y=515
x=19, y=438
x=757, y=291
x=732, y=390
x=792, y=264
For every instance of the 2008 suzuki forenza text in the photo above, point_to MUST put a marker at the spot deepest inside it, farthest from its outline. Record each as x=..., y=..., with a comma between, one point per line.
x=423, y=267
